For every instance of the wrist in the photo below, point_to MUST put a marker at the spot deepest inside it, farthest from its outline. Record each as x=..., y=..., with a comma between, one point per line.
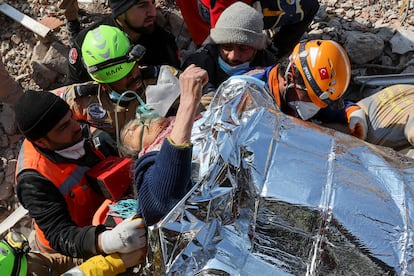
x=349, y=110
x=99, y=248
x=183, y=145
x=189, y=102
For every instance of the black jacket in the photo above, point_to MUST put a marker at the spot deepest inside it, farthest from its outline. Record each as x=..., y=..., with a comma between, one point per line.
x=207, y=58
x=160, y=45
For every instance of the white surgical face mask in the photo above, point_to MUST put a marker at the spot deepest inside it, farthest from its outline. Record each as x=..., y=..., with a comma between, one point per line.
x=231, y=70
x=305, y=110
x=73, y=152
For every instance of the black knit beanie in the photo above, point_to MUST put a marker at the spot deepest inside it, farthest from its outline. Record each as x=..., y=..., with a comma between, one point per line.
x=37, y=112
x=120, y=6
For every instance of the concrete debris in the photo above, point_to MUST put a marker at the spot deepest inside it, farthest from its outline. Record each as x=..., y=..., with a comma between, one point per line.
x=356, y=45
x=402, y=42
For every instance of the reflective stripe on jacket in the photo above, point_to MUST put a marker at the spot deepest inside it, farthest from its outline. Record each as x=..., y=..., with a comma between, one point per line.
x=81, y=199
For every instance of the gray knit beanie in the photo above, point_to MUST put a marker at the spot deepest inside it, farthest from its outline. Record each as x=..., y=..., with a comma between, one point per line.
x=239, y=23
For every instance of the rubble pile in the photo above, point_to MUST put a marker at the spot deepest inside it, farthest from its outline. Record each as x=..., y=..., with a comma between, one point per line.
x=378, y=36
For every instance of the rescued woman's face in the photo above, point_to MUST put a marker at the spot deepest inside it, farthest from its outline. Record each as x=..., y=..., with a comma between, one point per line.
x=148, y=133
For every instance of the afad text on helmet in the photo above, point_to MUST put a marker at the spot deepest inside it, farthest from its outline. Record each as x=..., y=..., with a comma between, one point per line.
x=307, y=73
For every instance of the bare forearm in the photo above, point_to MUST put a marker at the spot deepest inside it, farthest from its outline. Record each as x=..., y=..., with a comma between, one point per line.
x=181, y=132
x=192, y=81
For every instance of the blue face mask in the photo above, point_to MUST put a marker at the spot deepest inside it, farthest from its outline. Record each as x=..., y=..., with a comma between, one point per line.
x=231, y=70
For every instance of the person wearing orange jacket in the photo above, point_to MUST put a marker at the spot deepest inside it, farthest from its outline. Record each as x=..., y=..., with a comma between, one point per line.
x=52, y=184
x=311, y=82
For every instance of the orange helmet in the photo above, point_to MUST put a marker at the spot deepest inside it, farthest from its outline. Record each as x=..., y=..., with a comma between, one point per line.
x=325, y=68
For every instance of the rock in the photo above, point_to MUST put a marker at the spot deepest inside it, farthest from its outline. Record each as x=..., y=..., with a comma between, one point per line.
x=363, y=47
x=39, y=51
x=16, y=39
x=4, y=139
x=7, y=119
x=43, y=76
x=56, y=58
x=6, y=189
x=385, y=33
x=402, y=42
x=10, y=171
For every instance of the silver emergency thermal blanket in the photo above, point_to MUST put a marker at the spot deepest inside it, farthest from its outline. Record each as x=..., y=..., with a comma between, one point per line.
x=279, y=196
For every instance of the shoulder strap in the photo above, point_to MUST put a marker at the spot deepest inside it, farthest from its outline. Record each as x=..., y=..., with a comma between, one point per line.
x=86, y=89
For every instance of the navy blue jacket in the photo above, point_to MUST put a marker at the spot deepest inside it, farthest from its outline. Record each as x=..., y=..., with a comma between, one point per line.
x=162, y=178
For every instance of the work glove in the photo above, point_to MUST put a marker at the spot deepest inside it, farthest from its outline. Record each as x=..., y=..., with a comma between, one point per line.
x=358, y=126
x=409, y=131
x=127, y=236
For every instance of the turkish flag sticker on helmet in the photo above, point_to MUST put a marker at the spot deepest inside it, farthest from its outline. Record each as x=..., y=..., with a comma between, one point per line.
x=73, y=56
x=323, y=73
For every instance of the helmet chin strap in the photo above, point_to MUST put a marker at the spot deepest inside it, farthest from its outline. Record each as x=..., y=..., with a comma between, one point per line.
x=289, y=79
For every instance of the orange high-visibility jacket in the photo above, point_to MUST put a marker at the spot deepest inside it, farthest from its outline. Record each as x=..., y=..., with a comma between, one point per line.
x=70, y=179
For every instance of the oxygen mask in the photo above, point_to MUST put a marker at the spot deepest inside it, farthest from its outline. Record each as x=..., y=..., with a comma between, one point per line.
x=144, y=114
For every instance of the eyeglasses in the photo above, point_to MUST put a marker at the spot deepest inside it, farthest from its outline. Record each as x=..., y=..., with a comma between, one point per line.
x=135, y=53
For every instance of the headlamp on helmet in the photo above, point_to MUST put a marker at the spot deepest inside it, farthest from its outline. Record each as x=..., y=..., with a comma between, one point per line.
x=108, y=54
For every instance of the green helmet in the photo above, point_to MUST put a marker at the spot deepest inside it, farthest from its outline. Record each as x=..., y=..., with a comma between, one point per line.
x=105, y=54
x=11, y=264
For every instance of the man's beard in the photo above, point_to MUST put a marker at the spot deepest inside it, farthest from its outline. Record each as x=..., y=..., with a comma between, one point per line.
x=141, y=29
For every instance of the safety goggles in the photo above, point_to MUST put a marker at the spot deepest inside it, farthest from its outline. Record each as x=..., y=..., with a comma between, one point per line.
x=135, y=53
